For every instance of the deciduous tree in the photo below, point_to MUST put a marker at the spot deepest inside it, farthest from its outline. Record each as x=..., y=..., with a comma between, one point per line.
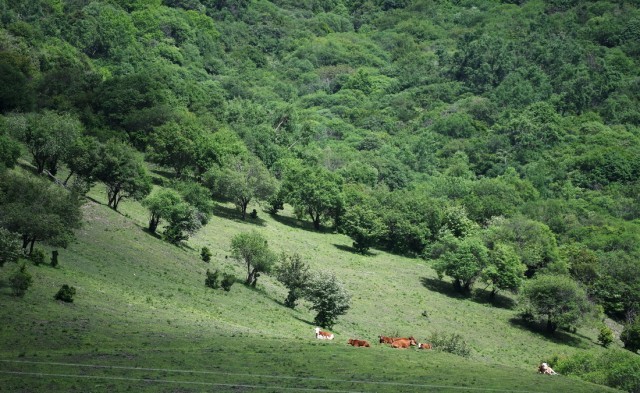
x=123, y=173
x=251, y=249
x=554, y=299
x=329, y=299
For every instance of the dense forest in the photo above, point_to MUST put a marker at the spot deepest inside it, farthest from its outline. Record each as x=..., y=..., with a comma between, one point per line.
x=498, y=140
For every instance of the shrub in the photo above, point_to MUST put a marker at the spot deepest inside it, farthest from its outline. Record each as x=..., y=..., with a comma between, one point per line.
x=20, y=280
x=65, y=294
x=10, y=249
x=631, y=336
x=205, y=254
x=614, y=368
x=37, y=257
x=605, y=337
x=452, y=343
x=228, y=280
x=212, y=280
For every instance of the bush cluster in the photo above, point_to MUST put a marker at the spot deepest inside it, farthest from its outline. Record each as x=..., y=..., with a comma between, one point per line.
x=20, y=280
x=213, y=280
x=452, y=343
x=65, y=294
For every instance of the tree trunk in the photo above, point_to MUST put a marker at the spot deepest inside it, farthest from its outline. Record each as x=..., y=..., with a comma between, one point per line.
x=551, y=327
x=153, y=223
x=249, y=274
x=33, y=242
x=67, y=179
x=255, y=278
x=243, y=208
x=116, y=200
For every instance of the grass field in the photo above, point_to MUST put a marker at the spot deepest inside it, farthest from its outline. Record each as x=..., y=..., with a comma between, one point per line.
x=143, y=321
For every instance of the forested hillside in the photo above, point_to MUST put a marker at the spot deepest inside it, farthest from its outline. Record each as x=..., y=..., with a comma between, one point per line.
x=498, y=141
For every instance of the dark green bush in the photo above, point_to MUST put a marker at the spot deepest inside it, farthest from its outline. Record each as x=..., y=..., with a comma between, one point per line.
x=631, y=336
x=37, y=257
x=227, y=281
x=213, y=279
x=205, y=254
x=65, y=294
x=20, y=280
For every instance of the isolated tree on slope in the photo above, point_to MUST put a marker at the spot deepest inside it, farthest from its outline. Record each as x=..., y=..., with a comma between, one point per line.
x=294, y=274
x=252, y=249
x=329, y=299
x=123, y=173
x=242, y=180
x=557, y=299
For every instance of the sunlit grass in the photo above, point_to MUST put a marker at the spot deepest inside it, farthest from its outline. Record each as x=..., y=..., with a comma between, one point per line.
x=142, y=302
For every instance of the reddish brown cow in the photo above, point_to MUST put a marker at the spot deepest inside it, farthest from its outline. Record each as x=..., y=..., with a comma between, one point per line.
x=424, y=346
x=404, y=343
x=387, y=340
x=359, y=343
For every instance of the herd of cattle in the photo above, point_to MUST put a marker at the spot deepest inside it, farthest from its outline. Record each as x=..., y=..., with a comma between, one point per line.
x=395, y=342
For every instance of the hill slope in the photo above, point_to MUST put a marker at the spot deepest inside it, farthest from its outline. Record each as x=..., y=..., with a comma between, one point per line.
x=141, y=303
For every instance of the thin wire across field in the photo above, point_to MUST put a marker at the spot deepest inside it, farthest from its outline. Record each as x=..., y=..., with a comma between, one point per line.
x=418, y=387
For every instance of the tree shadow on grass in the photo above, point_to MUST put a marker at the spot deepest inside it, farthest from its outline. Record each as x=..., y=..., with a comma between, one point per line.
x=558, y=337
x=148, y=232
x=163, y=173
x=310, y=323
x=234, y=215
x=480, y=296
x=299, y=224
x=352, y=250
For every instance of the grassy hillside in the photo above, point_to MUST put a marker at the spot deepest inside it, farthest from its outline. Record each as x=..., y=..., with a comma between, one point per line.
x=142, y=313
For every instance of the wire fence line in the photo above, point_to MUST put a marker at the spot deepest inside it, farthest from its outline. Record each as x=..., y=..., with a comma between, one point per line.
x=238, y=385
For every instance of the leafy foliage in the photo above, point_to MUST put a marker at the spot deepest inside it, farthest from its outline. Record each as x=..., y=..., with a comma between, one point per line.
x=631, y=336
x=20, y=280
x=251, y=249
x=557, y=300
x=328, y=298
x=9, y=247
x=450, y=342
x=294, y=274
x=65, y=294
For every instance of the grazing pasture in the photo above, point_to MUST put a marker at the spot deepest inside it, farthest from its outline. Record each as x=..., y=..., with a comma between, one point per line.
x=142, y=320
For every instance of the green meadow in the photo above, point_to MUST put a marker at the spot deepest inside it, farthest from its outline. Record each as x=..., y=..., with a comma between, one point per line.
x=143, y=321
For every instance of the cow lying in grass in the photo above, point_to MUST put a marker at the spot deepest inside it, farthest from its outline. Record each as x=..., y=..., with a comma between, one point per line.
x=387, y=340
x=358, y=343
x=424, y=346
x=545, y=369
x=404, y=343
x=322, y=335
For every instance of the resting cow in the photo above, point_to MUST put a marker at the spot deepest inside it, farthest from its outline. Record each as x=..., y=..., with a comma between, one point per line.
x=322, y=335
x=545, y=369
x=424, y=346
x=404, y=343
x=359, y=343
x=387, y=340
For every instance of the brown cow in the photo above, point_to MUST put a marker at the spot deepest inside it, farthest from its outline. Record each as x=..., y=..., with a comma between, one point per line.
x=359, y=343
x=387, y=340
x=424, y=346
x=404, y=343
